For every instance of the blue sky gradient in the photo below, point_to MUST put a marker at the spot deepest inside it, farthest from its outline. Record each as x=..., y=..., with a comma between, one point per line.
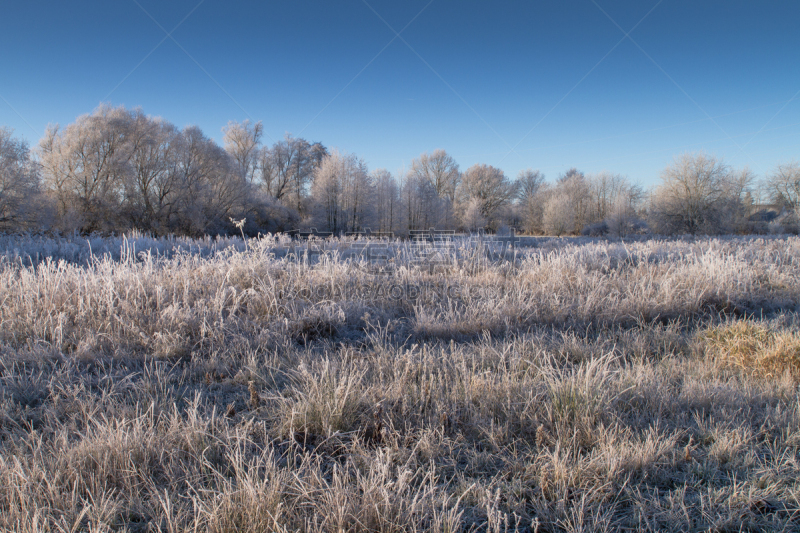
x=542, y=84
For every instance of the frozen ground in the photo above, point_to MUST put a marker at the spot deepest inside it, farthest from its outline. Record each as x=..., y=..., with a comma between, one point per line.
x=568, y=385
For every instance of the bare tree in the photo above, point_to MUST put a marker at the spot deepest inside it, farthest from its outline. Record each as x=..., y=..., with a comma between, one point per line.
x=531, y=187
x=437, y=171
x=473, y=219
x=440, y=170
x=423, y=208
x=621, y=218
x=604, y=190
x=387, y=200
x=489, y=186
x=700, y=194
x=21, y=202
x=85, y=166
x=200, y=188
x=287, y=168
x=277, y=166
x=559, y=214
x=784, y=184
x=226, y=191
x=533, y=214
x=242, y=141
x=690, y=195
x=574, y=184
x=153, y=180
x=117, y=168
x=738, y=183
x=735, y=204
x=342, y=191
x=195, y=157
x=529, y=183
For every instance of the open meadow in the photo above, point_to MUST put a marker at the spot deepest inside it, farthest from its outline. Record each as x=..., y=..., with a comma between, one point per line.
x=274, y=385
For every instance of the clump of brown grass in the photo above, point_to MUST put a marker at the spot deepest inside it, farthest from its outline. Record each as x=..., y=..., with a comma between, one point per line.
x=255, y=399
x=323, y=400
x=753, y=348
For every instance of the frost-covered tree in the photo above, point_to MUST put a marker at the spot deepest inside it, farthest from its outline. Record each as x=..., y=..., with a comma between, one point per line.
x=622, y=219
x=342, y=192
x=529, y=182
x=783, y=184
x=387, y=201
x=487, y=185
x=605, y=189
x=440, y=170
x=86, y=165
x=225, y=193
x=286, y=169
x=559, y=216
x=21, y=204
x=422, y=207
x=531, y=189
x=117, y=169
x=437, y=171
x=242, y=141
x=192, y=185
x=575, y=186
x=698, y=194
x=154, y=181
x=202, y=200
x=472, y=217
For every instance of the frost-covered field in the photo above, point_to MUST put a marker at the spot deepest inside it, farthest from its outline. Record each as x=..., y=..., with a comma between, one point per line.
x=565, y=385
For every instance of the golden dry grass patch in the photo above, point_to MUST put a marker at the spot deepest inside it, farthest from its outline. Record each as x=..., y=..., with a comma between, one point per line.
x=753, y=348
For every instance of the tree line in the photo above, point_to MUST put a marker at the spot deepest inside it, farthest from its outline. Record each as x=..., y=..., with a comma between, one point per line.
x=118, y=169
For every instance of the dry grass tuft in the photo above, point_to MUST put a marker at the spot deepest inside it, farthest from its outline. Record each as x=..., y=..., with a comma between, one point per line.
x=255, y=399
x=753, y=348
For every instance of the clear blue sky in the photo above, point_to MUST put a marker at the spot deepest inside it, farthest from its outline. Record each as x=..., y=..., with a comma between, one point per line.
x=555, y=80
